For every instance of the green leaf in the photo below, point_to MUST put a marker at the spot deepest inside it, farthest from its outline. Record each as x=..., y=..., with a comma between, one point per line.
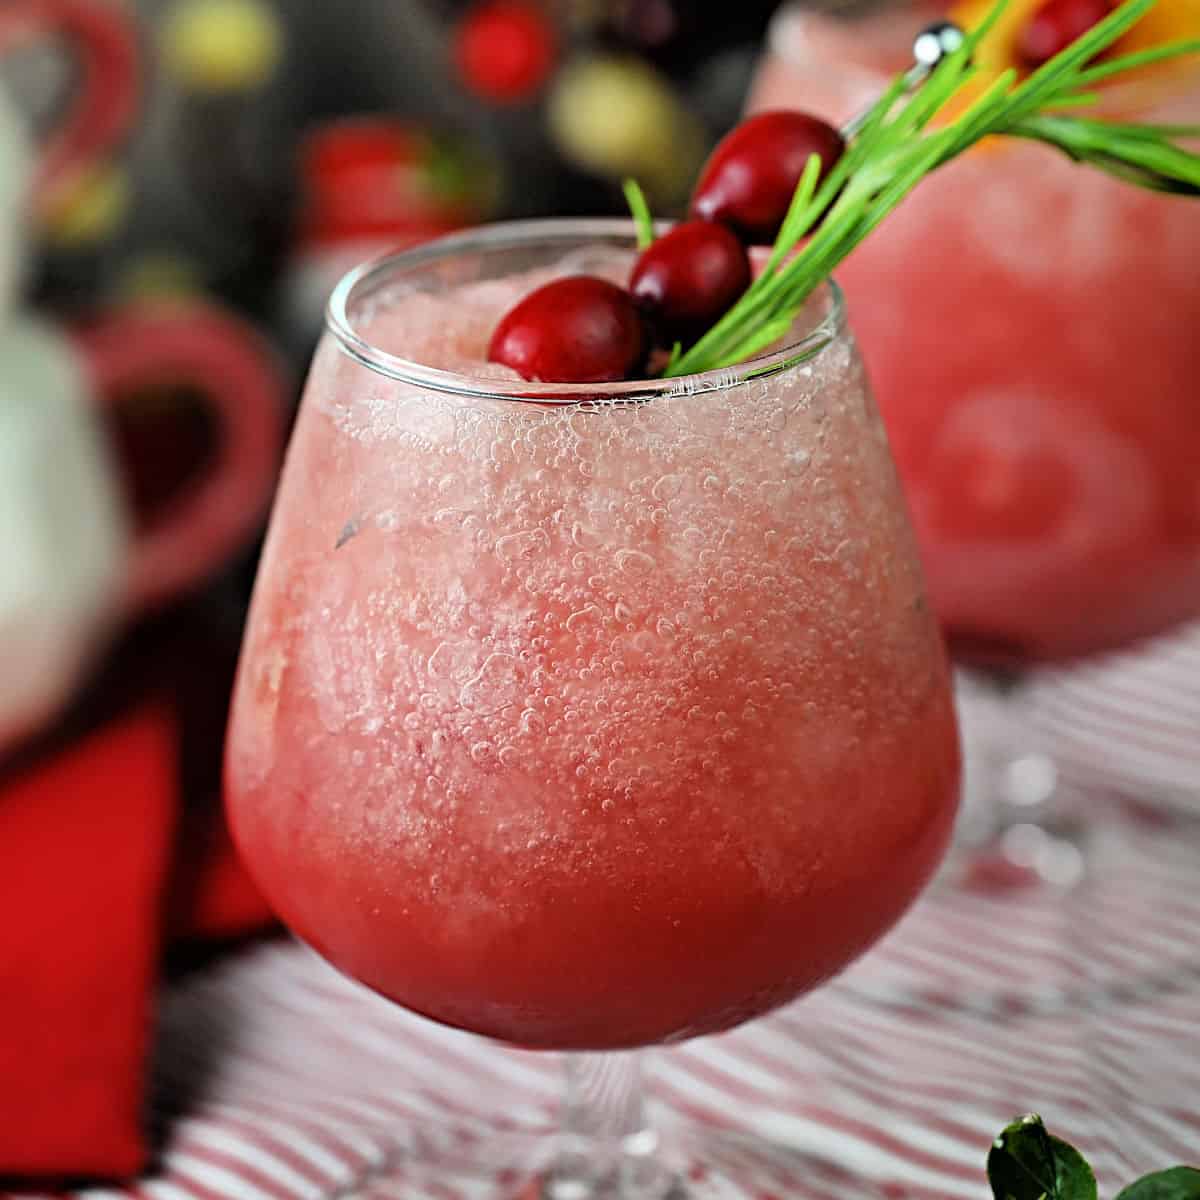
x=1027, y=1162
x=643, y=221
x=1175, y=1183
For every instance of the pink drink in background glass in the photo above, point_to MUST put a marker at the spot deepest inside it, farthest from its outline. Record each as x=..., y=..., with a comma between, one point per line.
x=1030, y=327
x=585, y=724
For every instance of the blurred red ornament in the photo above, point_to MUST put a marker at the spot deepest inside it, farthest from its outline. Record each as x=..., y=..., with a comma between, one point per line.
x=377, y=177
x=355, y=144
x=371, y=185
x=504, y=50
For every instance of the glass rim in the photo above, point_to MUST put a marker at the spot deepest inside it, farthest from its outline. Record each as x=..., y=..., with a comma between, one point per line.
x=504, y=235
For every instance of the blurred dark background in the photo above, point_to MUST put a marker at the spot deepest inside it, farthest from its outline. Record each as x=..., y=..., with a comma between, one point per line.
x=231, y=168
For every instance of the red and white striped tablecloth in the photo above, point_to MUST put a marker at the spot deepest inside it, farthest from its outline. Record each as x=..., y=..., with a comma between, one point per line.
x=277, y=1079
x=280, y=1080
x=1127, y=720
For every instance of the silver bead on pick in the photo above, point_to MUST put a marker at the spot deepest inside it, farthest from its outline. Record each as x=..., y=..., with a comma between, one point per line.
x=935, y=41
x=929, y=47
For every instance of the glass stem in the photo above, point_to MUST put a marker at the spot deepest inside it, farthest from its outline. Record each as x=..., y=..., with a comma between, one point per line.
x=1014, y=813
x=606, y=1147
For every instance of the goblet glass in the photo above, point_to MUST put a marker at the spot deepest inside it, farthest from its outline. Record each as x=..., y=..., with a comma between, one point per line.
x=586, y=717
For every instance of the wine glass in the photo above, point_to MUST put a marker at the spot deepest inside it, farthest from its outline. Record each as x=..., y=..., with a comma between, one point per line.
x=1028, y=325
x=585, y=717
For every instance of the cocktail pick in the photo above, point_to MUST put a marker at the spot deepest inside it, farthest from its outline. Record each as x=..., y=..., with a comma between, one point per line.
x=929, y=47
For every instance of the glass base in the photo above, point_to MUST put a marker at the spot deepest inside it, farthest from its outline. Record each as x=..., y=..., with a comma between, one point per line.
x=1085, y=914
x=1014, y=829
x=1026, y=813
x=1021, y=849
x=684, y=1164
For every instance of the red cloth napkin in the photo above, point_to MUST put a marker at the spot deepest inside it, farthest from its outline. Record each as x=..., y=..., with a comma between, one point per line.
x=102, y=866
x=211, y=896
x=84, y=849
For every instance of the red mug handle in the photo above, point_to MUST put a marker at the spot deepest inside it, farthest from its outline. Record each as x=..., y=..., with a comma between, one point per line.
x=200, y=347
x=104, y=40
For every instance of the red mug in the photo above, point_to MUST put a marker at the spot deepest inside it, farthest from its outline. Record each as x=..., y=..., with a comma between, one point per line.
x=220, y=360
x=103, y=40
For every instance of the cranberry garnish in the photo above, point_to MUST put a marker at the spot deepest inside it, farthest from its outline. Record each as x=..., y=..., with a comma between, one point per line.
x=579, y=329
x=1055, y=25
x=750, y=177
x=688, y=277
x=505, y=49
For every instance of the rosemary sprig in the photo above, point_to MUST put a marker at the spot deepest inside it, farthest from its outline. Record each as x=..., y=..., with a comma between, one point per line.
x=642, y=220
x=895, y=148
x=1143, y=58
x=1140, y=154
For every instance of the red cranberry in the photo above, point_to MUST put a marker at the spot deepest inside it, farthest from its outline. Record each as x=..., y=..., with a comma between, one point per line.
x=750, y=177
x=575, y=330
x=1055, y=25
x=505, y=49
x=688, y=277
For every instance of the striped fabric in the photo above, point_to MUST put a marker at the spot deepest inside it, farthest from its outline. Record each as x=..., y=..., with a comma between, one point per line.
x=280, y=1080
x=1129, y=720
x=277, y=1079
x=1109, y=749
x=1128, y=932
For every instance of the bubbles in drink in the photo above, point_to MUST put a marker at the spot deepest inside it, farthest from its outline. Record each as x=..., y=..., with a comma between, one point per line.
x=500, y=684
x=634, y=562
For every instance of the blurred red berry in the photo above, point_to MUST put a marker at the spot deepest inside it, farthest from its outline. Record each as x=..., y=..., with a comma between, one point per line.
x=1055, y=25
x=505, y=49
